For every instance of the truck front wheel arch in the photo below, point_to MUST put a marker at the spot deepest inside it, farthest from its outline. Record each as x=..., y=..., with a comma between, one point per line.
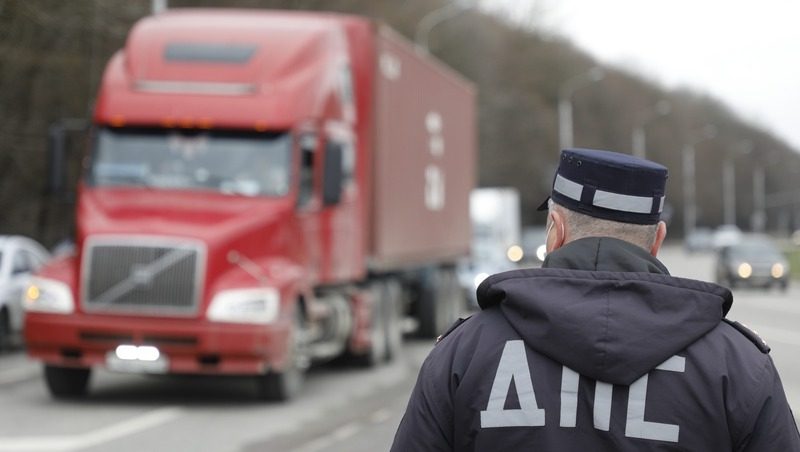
x=281, y=385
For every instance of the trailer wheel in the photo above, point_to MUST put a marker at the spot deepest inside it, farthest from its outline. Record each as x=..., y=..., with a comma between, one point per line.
x=284, y=385
x=439, y=303
x=67, y=382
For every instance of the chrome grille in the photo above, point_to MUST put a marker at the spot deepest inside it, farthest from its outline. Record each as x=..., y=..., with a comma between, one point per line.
x=143, y=277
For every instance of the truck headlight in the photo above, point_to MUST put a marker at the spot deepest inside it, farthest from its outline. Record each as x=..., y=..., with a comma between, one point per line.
x=48, y=295
x=257, y=305
x=777, y=270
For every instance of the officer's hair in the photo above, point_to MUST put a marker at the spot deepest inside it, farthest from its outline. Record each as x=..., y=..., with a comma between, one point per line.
x=582, y=225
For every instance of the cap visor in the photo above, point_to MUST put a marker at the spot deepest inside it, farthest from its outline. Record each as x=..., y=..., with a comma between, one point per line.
x=543, y=206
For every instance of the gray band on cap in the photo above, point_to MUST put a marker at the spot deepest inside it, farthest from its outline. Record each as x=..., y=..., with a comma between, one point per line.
x=568, y=188
x=608, y=200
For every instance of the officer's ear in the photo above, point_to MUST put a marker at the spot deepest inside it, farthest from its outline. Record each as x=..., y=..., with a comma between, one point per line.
x=661, y=233
x=556, y=231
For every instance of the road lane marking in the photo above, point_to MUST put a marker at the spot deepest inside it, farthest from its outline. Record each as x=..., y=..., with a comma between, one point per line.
x=380, y=416
x=340, y=434
x=94, y=437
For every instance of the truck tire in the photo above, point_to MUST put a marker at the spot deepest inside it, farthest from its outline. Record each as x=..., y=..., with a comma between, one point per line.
x=285, y=385
x=5, y=330
x=394, y=329
x=67, y=382
x=440, y=301
x=378, y=331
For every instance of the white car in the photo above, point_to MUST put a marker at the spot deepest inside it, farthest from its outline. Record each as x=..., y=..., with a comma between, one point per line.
x=20, y=257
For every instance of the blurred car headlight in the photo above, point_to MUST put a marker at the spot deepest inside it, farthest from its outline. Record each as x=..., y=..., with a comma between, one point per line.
x=541, y=252
x=777, y=270
x=48, y=295
x=514, y=253
x=479, y=279
x=744, y=270
x=256, y=305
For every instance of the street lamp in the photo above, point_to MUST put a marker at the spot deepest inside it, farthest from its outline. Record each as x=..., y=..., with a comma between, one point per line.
x=758, y=219
x=729, y=181
x=434, y=18
x=661, y=108
x=707, y=132
x=573, y=84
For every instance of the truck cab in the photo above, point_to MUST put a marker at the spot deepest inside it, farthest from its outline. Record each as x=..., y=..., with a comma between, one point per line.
x=226, y=216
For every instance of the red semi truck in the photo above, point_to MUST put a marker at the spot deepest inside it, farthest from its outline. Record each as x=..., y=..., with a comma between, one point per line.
x=264, y=190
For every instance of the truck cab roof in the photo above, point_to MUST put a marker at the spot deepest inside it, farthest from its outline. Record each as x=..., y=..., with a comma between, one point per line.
x=277, y=66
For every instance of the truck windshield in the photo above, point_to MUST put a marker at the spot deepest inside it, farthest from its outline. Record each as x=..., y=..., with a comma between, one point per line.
x=240, y=163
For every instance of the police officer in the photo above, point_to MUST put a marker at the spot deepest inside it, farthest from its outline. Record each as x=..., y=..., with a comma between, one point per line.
x=601, y=349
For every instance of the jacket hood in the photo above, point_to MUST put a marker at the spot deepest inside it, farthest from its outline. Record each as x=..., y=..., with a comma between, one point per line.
x=609, y=311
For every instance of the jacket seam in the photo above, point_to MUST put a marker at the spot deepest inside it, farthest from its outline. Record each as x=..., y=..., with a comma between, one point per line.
x=751, y=421
x=605, y=332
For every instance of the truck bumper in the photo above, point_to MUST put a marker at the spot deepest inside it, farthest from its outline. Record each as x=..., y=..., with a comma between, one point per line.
x=188, y=346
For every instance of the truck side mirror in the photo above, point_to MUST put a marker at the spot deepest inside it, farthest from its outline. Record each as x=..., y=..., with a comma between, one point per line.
x=333, y=175
x=58, y=156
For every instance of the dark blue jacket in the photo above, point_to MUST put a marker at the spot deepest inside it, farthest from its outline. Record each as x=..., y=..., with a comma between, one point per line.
x=600, y=351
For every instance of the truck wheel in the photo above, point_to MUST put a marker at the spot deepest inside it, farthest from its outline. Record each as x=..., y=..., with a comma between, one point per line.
x=440, y=302
x=394, y=328
x=378, y=334
x=5, y=331
x=66, y=382
x=285, y=385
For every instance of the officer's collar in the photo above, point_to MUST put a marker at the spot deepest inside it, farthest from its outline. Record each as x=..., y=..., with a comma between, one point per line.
x=604, y=254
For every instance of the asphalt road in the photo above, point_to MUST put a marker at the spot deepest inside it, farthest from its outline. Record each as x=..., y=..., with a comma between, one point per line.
x=343, y=408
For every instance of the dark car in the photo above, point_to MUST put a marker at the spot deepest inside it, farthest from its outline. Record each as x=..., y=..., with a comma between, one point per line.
x=752, y=262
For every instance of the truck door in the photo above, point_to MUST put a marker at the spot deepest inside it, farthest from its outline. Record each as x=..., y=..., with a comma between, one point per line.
x=340, y=214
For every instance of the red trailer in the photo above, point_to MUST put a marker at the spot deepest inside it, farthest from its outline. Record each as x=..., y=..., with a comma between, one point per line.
x=264, y=190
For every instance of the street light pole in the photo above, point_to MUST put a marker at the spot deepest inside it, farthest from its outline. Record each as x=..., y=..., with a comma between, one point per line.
x=434, y=18
x=759, y=218
x=689, y=183
x=565, y=130
x=729, y=182
x=564, y=123
x=729, y=191
x=638, y=140
x=689, y=207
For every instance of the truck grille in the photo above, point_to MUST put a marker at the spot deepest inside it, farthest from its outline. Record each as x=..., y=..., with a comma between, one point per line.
x=142, y=277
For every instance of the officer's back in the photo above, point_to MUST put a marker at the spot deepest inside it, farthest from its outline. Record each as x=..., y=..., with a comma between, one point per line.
x=601, y=349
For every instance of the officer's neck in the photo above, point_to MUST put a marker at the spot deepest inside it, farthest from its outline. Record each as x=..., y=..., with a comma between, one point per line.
x=604, y=254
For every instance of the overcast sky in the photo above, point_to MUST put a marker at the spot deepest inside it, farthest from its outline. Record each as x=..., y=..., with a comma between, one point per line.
x=745, y=53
